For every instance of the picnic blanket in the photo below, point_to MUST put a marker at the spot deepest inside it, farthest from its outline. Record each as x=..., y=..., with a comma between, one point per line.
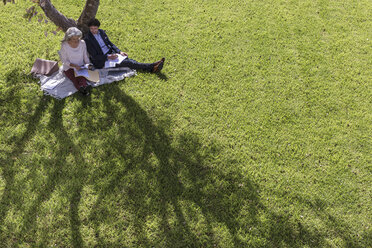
x=59, y=86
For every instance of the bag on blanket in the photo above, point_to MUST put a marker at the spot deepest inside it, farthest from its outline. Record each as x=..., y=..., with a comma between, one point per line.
x=44, y=67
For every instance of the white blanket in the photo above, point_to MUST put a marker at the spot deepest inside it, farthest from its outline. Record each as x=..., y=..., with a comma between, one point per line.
x=59, y=86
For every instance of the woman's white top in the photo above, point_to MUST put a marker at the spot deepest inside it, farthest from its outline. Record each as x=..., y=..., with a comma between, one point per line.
x=77, y=56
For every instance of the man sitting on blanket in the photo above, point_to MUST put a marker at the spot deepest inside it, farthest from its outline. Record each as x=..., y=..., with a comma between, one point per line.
x=101, y=50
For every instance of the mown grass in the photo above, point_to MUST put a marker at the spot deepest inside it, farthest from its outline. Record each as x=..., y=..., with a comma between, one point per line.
x=257, y=134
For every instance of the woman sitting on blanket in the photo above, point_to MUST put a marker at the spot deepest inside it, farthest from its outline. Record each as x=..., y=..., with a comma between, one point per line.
x=74, y=54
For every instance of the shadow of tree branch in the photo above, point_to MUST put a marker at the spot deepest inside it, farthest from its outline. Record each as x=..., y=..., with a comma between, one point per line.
x=145, y=176
x=171, y=191
x=18, y=146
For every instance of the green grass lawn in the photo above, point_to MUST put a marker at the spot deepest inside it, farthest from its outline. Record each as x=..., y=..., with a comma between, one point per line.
x=257, y=134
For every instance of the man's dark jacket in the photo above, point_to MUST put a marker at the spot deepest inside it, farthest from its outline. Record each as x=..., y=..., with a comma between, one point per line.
x=95, y=52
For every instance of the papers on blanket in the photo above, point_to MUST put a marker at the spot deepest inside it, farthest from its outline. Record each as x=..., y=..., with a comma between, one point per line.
x=92, y=76
x=83, y=72
x=112, y=62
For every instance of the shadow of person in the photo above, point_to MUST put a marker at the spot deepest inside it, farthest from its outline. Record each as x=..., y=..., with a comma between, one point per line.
x=162, y=76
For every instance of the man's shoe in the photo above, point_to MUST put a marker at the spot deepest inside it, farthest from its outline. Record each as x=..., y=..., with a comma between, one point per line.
x=82, y=90
x=87, y=90
x=158, y=65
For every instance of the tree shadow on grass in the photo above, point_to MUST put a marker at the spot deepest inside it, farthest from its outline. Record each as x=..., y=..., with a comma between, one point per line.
x=10, y=101
x=61, y=173
x=174, y=183
x=77, y=172
x=27, y=234
x=7, y=163
x=156, y=180
x=157, y=190
x=173, y=192
x=12, y=94
x=286, y=230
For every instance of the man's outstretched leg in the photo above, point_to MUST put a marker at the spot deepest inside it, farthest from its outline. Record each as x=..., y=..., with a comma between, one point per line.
x=149, y=67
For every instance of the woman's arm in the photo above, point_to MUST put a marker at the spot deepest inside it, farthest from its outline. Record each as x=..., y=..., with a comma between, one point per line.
x=64, y=57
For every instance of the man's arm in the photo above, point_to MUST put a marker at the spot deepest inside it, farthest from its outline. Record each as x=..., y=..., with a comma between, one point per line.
x=97, y=57
x=108, y=42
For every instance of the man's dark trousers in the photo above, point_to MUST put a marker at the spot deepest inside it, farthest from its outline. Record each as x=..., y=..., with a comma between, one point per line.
x=132, y=64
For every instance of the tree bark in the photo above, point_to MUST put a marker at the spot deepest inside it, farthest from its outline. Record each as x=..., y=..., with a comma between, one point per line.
x=89, y=12
x=8, y=1
x=55, y=16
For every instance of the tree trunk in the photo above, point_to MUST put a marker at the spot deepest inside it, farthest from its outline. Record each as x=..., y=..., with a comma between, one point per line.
x=55, y=16
x=8, y=1
x=89, y=12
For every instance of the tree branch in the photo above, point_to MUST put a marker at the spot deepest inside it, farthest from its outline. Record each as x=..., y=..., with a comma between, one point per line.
x=55, y=16
x=5, y=1
x=89, y=12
